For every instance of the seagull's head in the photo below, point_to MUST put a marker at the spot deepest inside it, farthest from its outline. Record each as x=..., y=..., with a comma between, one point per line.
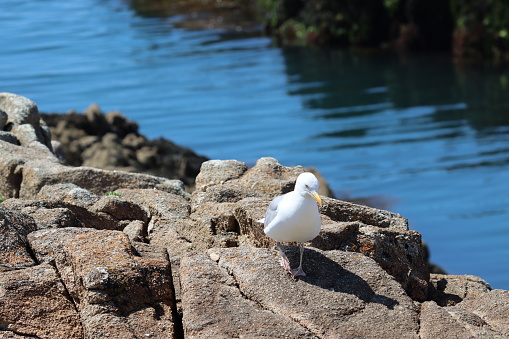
x=307, y=183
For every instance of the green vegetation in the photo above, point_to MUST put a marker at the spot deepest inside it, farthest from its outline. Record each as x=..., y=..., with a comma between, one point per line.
x=481, y=28
x=465, y=28
x=114, y=194
x=2, y=199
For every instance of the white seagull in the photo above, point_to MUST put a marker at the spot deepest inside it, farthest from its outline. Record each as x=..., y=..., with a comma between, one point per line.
x=294, y=217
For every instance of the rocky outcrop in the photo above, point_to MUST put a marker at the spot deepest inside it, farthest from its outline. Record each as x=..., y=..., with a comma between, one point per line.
x=35, y=303
x=122, y=290
x=111, y=141
x=116, y=254
x=20, y=116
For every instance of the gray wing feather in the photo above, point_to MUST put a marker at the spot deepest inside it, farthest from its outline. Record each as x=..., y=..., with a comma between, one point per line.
x=272, y=211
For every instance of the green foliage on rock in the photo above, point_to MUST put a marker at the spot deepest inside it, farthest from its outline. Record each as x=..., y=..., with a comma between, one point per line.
x=465, y=28
x=481, y=28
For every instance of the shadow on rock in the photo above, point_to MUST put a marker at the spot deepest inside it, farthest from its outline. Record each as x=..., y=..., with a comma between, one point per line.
x=326, y=273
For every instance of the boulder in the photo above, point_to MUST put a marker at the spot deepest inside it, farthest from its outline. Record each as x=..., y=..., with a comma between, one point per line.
x=229, y=205
x=214, y=306
x=45, y=214
x=448, y=290
x=35, y=303
x=215, y=172
x=14, y=159
x=14, y=251
x=483, y=316
x=37, y=174
x=58, y=214
x=119, y=291
x=3, y=119
x=120, y=208
x=22, y=118
x=26, y=170
x=111, y=141
x=343, y=293
x=492, y=307
x=450, y=322
x=68, y=193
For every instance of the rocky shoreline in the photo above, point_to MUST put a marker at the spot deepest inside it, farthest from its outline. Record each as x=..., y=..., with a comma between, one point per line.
x=110, y=141
x=466, y=30
x=95, y=253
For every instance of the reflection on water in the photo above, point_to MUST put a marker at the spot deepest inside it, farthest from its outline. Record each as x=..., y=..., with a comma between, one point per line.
x=381, y=100
x=420, y=135
x=429, y=135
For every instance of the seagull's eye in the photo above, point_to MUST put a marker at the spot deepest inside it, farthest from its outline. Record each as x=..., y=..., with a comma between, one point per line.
x=307, y=186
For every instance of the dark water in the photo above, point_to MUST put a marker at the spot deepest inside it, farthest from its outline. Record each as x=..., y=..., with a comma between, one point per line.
x=420, y=136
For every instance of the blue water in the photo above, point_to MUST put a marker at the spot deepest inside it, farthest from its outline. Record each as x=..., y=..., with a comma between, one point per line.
x=419, y=135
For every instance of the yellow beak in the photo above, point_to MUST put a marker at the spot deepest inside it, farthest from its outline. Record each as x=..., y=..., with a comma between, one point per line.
x=317, y=198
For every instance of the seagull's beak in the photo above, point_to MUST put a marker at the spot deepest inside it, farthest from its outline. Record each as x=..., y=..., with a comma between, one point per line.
x=317, y=197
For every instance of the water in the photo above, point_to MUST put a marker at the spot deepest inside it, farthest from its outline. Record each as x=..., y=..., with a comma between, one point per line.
x=419, y=135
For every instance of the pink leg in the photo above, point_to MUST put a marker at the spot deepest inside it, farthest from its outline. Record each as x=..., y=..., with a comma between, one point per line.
x=284, y=260
x=299, y=271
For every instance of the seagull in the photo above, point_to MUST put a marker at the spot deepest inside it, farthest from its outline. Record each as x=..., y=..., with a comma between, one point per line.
x=294, y=217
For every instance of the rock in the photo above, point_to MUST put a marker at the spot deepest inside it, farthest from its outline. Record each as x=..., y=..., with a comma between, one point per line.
x=23, y=121
x=492, y=307
x=10, y=175
x=120, y=208
x=3, y=119
x=136, y=231
x=45, y=214
x=127, y=255
x=214, y=307
x=157, y=203
x=247, y=213
x=381, y=235
x=9, y=137
x=14, y=252
x=19, y=110
x=448, y=290
x=268, y=178
x=483, y=316
x=111, y=141
x=439, y=322
x=119, y=125
x=343, y=293
x=35, y=303
x=240, y=201
x=338, y=210
x=118, y=292
x=109, y=154
x=67, y=205
x=95, y=180
x=57, y=214
x=68, y=193
x=214, y=172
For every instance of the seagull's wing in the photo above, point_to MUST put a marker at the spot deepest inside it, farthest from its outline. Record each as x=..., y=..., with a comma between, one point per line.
x=272, y=211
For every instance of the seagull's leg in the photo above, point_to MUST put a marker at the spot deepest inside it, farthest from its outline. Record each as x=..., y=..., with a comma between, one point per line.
x=284, y=259
x=299, y=272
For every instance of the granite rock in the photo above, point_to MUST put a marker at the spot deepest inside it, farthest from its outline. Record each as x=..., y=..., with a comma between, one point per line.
x=96, y=253
x=343, y=293
x=14, y=250
x=21, y=117
x=111, y=141
x=35, y=303
x=114, y=288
